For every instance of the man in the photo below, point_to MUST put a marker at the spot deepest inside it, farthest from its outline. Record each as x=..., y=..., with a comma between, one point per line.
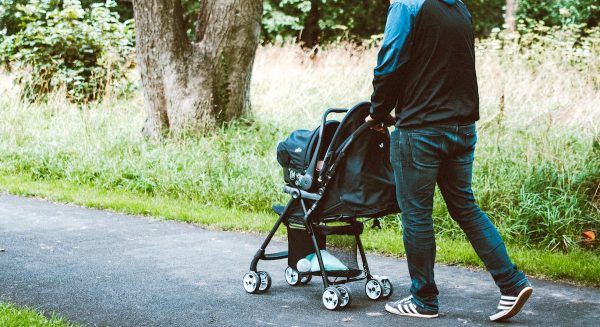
x=426, y=71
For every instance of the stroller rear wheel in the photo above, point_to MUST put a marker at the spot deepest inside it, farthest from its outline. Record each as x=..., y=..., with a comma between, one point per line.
x=251, y=282
x=346, y=295
x=305, y=278
x=292, y=276
x=265, y=281
x=332, y=298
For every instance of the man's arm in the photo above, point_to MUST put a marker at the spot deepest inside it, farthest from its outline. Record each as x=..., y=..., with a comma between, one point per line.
x=393, y=54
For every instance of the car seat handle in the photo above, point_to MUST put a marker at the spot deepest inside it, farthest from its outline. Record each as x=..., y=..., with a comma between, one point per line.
x=307, y=180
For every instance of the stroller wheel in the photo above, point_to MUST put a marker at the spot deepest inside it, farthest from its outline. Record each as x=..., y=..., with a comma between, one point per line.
x=373, y=289
x=292, y=276
x=251, y=282
x=265, y=281
x=388, y=288
x=332, y=298
x=305, y=279
x=346, y=298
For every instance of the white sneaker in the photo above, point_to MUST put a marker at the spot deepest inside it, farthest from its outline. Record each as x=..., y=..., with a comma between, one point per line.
x=406, y=307
x=511, y=304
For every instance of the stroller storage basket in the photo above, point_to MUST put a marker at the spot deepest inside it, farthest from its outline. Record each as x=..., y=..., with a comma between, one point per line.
x=300, y=244
x=337, y=244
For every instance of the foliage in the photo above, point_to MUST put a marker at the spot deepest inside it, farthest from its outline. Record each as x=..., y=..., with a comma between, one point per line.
x=486, y=15
x=560, y=12
x=191, y=8
x=86, y=52
x=335, y=19
x=12, y=20
x=577, y=45
x=359, y=21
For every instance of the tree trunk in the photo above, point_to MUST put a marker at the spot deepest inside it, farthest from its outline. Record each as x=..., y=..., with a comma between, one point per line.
x=191, y=86
x=309, y=37
x=510, y=15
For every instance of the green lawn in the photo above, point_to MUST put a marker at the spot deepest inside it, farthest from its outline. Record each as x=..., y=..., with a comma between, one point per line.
x=577, y=266
x=14, y=316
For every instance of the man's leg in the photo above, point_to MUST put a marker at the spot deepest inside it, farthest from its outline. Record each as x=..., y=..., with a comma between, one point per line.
x=454, y=180
x=415, y=160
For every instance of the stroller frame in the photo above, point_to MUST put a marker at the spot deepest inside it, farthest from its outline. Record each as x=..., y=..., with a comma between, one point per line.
x=336, y=295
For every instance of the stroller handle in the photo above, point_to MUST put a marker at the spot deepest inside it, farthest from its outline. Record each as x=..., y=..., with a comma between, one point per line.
x=387, y=122
x=306, y=181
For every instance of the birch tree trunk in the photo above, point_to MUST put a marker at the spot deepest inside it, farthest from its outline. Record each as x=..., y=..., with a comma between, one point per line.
x=189, y=86
x=510, y=15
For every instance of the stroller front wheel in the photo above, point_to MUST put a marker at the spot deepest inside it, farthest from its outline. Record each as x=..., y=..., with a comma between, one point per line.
x=265, y=281
x=388, y=288
x=332, y=298
x=374, y=289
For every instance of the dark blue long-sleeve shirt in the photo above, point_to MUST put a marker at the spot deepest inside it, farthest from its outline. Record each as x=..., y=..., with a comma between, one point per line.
x=426, y=65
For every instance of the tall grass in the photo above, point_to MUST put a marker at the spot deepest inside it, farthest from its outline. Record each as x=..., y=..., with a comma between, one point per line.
x=537, y=171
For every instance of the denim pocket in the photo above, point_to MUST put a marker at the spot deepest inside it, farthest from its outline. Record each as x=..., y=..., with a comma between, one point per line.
x=426, y=149
x=465, y=154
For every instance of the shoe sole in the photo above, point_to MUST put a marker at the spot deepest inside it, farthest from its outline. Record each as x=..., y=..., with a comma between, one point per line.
x=516, y=308
x=391, y=309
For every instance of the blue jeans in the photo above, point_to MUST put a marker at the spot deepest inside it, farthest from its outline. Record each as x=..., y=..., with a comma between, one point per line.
x=443, y=154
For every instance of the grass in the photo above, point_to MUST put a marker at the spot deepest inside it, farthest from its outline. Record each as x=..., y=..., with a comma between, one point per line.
x=14, y=316
x=576, y=266
x=537, y=169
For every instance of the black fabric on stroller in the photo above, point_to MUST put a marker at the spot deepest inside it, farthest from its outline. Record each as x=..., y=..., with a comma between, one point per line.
x=335, y=175
x=362, y=185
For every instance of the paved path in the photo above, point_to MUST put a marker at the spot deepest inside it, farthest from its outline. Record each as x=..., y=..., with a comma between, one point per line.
x=103, y=268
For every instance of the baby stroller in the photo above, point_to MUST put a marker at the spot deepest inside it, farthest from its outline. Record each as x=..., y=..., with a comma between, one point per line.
x=338, y=176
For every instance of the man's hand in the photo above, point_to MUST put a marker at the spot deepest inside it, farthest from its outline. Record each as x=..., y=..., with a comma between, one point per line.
x=378, y=127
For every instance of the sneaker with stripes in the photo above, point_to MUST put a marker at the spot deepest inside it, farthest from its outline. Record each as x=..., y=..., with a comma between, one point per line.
x=511, y=304
x=406, y=307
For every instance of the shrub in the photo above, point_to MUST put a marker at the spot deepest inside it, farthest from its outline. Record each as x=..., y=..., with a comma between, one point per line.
x=85, y=52
x=561, y=12
x=12, y=20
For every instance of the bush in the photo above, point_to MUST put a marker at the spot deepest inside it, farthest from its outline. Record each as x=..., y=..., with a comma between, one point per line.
x=12, y=20
x=333, y=20
x=561, y=12
x=354, y=21
x=487, y=15
x=357, y=21
x=85, y=52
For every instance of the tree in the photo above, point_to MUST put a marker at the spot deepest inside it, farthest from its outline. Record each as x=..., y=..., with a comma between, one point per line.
x=191, y=85
x=312, y=31
x=510, y=14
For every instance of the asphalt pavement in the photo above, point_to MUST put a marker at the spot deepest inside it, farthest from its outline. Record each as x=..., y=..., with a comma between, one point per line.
x=107, y=269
